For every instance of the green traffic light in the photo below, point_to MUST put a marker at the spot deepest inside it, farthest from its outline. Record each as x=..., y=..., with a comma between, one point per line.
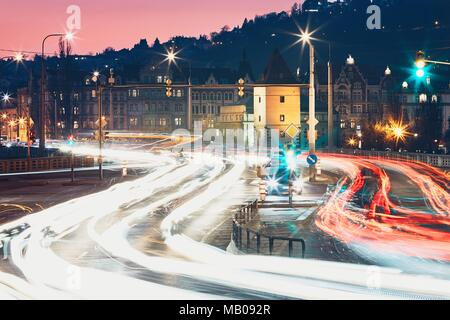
x=420, y=73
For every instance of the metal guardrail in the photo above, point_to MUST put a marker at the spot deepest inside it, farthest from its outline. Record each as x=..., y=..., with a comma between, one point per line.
x=245, y=215
x=435, y=160
x=42, y=164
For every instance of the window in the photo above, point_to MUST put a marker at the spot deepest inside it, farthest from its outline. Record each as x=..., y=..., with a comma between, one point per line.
x=132, y=93
x=423, y=98
x=434, y=99
x=343, y=125
x=357, y=109
x=178, y=122
x=93, y=94
x=260, y=99
x=133, y=122
x=162, y=122
x=282, y=99
x=260, y=119
x=282, y=118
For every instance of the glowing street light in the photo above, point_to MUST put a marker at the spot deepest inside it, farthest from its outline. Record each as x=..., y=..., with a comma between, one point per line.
x=18, y=57
x=171, y=56
x=6, y=98
x=306, y=38
x=69, y=36
x=352, y=142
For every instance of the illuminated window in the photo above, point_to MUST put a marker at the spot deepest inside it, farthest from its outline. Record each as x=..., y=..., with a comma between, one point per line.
x=178, y=122
x=282, y=118
x=434, y=99
x=423, y=98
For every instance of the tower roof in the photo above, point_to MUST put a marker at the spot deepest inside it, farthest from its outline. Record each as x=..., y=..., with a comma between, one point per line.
x=277, y=71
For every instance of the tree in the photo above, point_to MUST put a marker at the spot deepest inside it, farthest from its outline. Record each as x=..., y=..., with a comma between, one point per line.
x=65, y=72
x=295, y=10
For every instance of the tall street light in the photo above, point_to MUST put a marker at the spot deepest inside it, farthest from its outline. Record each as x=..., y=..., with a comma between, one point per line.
x=98, y=89
x=306, y=38
x=171, y=57
x=42, y=114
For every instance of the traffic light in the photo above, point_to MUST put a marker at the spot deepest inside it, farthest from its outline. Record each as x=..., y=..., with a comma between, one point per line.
x=420, y=64
x=32, y=137
x=71, y=140
x=169, y=89
x=241, y=87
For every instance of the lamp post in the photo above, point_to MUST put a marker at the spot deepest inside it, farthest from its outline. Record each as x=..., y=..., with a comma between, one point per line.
x=99, y=90
x=305, y=37
x=42, y=111
x=171, y=57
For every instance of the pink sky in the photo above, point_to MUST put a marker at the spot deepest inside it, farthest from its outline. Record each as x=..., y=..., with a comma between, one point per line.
x=121, y=23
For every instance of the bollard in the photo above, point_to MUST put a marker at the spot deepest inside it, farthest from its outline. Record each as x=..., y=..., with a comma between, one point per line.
x=258, y=243
x=240, y=237
x=248, y=238
x=270, y=245
x=290, y=248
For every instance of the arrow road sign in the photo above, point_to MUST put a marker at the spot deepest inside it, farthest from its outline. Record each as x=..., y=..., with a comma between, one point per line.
x=312, y=159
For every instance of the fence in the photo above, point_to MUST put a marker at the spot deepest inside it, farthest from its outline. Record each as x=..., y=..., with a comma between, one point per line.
x=43, y=164
x=245, y=215
x=435, y=160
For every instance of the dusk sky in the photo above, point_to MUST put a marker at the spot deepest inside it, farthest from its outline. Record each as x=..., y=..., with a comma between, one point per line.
x=120, y=24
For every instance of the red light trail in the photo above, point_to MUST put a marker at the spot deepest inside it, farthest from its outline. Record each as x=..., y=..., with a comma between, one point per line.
x=383, y=224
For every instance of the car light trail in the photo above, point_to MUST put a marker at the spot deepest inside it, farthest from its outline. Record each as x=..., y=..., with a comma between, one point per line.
x=404, y=232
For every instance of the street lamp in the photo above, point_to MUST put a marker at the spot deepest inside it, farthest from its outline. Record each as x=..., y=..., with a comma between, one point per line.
x=6, y=98
x=96, y=79
x=42, y=112
x=306, y=38
x=171, y=57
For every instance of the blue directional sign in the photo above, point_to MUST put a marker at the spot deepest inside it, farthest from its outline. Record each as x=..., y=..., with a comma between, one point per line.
x=312, y=159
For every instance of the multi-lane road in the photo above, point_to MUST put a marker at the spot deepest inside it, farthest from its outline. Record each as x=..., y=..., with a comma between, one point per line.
x=147, y=238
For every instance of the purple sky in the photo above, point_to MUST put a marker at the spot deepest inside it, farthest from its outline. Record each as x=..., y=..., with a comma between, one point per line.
x=121, y=23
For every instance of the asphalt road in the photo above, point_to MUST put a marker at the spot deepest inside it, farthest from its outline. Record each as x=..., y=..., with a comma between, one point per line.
x=148, y=239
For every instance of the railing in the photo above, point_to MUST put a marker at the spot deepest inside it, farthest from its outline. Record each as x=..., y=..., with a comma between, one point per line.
x=245, y=215
x=435, y=160
x=42, y=164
